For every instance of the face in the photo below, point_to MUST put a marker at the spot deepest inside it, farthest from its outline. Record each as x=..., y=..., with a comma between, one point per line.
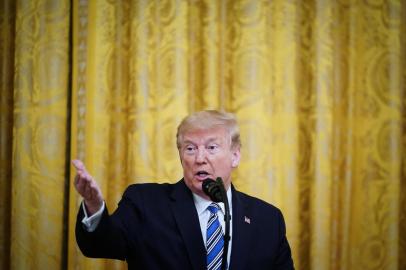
x=207, y=154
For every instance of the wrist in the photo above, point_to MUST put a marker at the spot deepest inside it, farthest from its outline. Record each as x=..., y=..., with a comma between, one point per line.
x=93, y=207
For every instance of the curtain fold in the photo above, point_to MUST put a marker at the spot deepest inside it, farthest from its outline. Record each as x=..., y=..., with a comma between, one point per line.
x=7, y=22
x=39, y=133
x=318, y=88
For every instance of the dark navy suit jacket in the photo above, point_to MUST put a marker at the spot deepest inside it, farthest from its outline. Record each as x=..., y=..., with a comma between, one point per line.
x=156, y=226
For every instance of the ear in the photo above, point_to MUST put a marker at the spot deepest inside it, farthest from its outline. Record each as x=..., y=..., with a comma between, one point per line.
x=235, y=158
x=180, y=157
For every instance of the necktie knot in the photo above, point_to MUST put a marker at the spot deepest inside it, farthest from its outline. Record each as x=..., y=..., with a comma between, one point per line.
x=213, y=208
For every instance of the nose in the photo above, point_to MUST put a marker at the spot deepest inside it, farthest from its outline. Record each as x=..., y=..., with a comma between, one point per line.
x=201, y=156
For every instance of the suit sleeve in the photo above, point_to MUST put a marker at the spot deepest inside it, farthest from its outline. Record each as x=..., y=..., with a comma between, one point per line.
x=283, y=256
x=110, y=238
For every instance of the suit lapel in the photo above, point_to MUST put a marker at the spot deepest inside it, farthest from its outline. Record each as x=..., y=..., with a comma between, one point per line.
x=241, y=233
x=187, y=220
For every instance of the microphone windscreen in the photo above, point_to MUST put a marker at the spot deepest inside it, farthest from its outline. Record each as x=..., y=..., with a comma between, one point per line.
x=212, y=189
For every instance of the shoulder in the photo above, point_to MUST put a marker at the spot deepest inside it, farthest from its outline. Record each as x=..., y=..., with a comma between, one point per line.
x=146, y=189
x=255, y=204
x=146, y=195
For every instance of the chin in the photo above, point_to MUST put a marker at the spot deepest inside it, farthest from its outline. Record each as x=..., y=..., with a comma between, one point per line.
x=198, y=188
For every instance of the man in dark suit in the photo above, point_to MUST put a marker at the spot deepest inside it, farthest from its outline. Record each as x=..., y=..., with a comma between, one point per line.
x=164, y=226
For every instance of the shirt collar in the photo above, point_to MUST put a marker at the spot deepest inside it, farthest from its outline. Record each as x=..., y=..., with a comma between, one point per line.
x=202, y=203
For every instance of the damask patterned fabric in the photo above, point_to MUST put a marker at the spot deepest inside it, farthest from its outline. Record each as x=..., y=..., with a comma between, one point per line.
x=318, y=88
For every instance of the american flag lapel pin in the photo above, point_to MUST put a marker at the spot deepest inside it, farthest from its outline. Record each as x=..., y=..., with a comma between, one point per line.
x=247, y=220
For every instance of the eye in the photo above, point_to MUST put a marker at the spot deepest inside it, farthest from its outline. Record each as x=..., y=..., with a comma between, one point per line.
x=212, y=148
x=190, y=149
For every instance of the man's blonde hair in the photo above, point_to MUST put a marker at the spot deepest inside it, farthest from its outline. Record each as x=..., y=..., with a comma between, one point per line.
x=210, y=119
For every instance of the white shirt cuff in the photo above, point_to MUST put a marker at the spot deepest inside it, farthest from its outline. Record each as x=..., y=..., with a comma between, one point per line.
x=94, y=220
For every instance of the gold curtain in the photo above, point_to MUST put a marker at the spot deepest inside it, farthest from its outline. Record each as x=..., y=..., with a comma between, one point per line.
x=318, y=88
x=34, y=131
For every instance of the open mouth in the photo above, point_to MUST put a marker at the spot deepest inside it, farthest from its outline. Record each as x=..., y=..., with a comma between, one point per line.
x=202, y=174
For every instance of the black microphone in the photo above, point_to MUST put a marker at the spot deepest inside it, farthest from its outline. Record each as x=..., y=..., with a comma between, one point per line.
x=212, y=189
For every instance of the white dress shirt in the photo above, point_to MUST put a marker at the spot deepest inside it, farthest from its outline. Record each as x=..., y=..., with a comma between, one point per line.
x=201, y=205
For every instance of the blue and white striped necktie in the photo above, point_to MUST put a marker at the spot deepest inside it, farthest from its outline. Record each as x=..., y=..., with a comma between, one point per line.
x=214, y=239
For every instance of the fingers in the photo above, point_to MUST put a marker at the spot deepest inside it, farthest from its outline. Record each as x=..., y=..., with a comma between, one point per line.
x=84, y=182
x=89, y=190
x=95, y=192
x=80, y=171
x=87, y=187
x=78, y=164
x=82, y=185
x=82, y=178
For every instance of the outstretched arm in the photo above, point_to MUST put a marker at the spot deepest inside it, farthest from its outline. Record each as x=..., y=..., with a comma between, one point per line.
x=106, y=239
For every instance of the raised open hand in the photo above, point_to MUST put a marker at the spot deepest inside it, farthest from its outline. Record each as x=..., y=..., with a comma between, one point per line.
x=87, y=188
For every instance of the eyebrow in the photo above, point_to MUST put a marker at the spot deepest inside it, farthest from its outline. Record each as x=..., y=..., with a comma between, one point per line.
x=208, y=141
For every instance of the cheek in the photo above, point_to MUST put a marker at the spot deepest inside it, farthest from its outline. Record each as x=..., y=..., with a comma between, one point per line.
x=223, y=163
x=186, y=165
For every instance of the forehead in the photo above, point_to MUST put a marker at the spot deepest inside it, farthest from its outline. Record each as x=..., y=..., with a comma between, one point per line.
x=219, y=134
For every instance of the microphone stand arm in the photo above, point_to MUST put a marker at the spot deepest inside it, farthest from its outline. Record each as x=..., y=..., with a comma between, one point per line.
x=227, y=219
